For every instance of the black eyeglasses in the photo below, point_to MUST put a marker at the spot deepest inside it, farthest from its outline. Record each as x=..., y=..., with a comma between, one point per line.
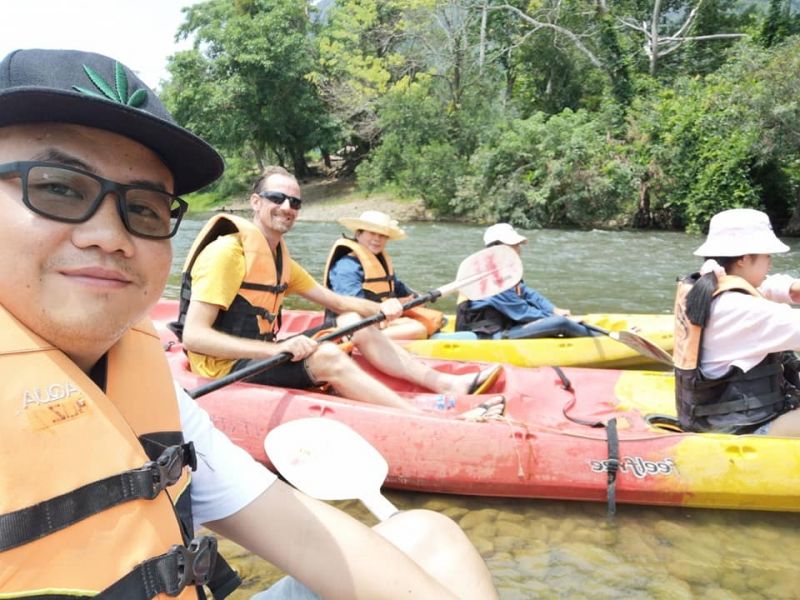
x=71, y=195
x=279, y=198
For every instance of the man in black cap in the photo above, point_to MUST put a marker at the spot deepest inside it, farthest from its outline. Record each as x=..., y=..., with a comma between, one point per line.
x=98, y=446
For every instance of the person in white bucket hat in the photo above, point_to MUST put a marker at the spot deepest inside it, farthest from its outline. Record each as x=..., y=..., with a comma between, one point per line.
x=517, y=313
x=361, y=267
x=735, y=333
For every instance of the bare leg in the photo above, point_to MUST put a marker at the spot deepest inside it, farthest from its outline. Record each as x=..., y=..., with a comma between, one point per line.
x=388, y=357
x=787, y=425
x=405, y=329
x=332, y=365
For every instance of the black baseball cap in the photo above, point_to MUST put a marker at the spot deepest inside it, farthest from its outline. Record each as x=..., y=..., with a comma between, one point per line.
x=84, y=88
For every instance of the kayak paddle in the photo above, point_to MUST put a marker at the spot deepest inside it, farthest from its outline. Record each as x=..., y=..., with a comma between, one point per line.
x=327, y=460
x=480, y=275
x=642, y=345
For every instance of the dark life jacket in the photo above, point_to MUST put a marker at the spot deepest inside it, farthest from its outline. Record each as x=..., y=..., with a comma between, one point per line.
x=737, y=402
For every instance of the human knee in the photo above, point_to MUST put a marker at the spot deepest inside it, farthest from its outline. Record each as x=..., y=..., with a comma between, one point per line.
x=412, y=526
x=328, y=362
x=787, y=425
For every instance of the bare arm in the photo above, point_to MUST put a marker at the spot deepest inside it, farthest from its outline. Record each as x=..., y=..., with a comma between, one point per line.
x=330, y=552
x=199, y=336
x=341, y=304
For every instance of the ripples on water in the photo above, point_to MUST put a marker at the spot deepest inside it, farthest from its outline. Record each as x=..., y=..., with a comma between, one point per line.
x=550, y=549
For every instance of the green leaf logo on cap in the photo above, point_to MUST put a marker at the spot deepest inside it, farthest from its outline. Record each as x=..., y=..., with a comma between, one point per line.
x=117, y=94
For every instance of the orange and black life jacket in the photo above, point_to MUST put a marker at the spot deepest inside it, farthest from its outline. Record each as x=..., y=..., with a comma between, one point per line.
x=737, y=402
x=378, y=281
x=255, y=312
x=94, y=484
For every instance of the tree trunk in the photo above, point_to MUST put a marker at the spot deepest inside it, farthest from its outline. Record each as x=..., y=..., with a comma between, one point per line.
x=643, y=219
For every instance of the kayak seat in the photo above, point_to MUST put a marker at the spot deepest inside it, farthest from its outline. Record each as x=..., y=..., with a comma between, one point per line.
x=456, y=335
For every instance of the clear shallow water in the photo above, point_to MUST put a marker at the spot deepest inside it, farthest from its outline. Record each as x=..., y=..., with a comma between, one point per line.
x=550, y=549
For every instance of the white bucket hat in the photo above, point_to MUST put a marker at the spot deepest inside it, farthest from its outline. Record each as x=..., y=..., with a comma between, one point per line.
x=375, y=221
x=740, y=231
x=503, y=233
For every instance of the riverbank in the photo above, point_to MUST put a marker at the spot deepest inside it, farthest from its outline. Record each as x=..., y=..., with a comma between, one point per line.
x=330, y=199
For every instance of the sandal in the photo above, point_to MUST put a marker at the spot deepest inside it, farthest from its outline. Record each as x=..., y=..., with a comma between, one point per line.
x=484, y=379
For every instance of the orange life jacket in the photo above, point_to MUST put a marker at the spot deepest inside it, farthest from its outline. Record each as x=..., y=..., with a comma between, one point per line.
x=378, y=274
x=379, y=278
x=83, y=507
x=255, y=312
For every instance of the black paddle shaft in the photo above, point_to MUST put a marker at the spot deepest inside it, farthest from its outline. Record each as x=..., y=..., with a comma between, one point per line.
x=278, y=359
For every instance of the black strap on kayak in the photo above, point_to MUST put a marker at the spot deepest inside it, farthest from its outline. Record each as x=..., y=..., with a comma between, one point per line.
x=34, y=522
x=612, y=441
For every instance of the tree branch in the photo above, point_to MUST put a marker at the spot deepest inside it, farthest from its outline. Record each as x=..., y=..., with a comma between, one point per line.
x=566, y=32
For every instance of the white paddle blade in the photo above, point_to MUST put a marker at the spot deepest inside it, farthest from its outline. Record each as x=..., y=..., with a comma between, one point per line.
x=327, y=460
x=488, y=272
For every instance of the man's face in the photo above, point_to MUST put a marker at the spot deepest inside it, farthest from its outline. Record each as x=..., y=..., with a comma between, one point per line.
x=80, y=286
x=276, y=218
x=375, y=242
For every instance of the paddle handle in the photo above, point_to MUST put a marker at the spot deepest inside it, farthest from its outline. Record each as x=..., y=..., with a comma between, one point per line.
x=600, y=330
x=379, y=506
x=378, y=317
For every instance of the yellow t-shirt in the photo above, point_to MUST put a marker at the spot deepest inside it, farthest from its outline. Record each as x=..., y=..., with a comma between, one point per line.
x=217, y=275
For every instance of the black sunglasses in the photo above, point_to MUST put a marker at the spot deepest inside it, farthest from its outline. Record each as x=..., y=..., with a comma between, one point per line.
x=71, y=195
x=279, y=198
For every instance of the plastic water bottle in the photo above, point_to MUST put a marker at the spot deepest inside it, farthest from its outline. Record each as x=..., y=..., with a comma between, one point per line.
x=439, y=402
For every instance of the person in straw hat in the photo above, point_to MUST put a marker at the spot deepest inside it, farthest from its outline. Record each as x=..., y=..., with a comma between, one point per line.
x=106, y=464
x=362, y=267
x=519, y=312
x=735, y=333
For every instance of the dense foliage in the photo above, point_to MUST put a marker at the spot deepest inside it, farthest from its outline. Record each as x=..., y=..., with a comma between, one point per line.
x=580, y=113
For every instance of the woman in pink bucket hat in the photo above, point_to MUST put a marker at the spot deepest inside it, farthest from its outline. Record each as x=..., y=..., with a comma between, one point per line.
x=735, y=333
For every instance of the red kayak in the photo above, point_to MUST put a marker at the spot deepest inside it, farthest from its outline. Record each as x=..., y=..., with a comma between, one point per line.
x=551, y=443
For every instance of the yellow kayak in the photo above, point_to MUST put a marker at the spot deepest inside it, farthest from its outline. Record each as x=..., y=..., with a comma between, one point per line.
x=601, y=351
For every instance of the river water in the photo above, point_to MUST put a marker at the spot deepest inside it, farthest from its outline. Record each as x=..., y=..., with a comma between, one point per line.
x=552, y=549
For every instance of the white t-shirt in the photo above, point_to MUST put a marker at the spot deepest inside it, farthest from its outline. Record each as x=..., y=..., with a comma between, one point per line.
x=227, y=478
x=742, y=329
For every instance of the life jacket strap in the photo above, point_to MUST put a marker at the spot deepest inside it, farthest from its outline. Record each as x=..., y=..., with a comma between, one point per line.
x=168, y=573
x=739, y=405
x=34, y=522
x=261, y=287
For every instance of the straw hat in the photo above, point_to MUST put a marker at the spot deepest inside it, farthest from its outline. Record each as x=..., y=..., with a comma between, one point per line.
x=740, y=231
x=375, y=221
x=503, y=233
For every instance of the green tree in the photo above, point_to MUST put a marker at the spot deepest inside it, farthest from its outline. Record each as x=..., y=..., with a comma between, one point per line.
x=244, y=85
x=724, y=141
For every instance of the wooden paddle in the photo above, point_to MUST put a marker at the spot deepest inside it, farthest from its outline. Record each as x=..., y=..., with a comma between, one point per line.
x=480, y=275
x=642, y=345
x=327, y=460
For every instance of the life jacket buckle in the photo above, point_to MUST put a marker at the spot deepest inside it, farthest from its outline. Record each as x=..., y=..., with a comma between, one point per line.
x=168, y=467
x=194, y=565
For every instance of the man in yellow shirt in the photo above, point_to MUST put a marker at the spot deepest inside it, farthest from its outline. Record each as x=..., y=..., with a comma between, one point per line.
x=231, y=317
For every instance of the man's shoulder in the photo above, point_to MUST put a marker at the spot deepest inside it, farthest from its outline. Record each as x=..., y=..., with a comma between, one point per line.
x=225, y=245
